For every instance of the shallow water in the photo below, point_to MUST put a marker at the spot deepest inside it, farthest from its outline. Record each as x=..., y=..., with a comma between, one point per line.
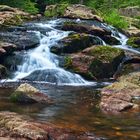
x=77, y=108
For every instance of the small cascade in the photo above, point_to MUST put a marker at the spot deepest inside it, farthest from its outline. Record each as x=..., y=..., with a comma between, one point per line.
x=41, y=65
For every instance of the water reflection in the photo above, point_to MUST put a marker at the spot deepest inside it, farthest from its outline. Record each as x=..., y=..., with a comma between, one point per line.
x=77, y=108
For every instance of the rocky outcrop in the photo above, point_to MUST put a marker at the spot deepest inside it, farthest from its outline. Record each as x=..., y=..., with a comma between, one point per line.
x=130, y=11
x=122, y=95
x=72, y=11
x=81, y=12
x=13, y=16
x=134, y=42
x=97, y=62
x=14, y=126
x=93, y=30
x=75, y=43
x=26, y=93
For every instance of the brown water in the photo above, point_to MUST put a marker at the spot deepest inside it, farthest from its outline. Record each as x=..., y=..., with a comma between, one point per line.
x=78, y=108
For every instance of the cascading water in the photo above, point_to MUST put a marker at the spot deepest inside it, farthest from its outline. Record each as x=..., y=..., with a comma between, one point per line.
x=42, y=65
x=122, y=38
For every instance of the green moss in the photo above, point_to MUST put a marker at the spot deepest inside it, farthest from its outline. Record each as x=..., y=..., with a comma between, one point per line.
x=134, y=42
x=55, y=10
x=112, y=17
x=95, y=68
x=15, y=96
x=105, y=53
x=68, y=62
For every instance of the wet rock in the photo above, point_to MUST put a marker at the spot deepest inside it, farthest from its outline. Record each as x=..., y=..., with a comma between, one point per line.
x=6, y=48
x=120, y=95
x=56, y=76
x=3, y=71
x=93, y=30
x=20, y=127
x=13, y=16
x=23, y=40
x=80, y=28
x=134, y=42
x=76, y=11
x=75, y=43
x=97, y=62
x=26, y=93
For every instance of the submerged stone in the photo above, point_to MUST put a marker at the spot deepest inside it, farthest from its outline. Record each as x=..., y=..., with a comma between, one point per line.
x=22, y=127
x=28, y=94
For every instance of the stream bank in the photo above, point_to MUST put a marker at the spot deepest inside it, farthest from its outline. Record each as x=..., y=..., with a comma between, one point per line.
x=76, y=100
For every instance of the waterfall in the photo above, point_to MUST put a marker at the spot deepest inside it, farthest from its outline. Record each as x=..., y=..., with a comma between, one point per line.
x=41, y=65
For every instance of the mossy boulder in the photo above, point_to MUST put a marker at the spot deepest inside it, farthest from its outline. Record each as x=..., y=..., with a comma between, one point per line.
x=134, y=42
x=103, y=33
x=3, y=71
x=122, y=95
x=75, y=43
x=97, y=62
x=13, y=16
x=28, y=94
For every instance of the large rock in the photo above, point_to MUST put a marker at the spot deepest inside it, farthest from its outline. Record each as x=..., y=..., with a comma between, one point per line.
x=122, y=95
x=17, y=127
x=12, y=16
x=22, y=39
x=134, y=42
x=75, y=43
x=97, y=62
x=130, y=11
x=26, y=93
x=73, y=11
x=103, y=33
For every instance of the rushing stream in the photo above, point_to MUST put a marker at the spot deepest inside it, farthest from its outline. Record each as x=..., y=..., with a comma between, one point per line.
x=76, y=106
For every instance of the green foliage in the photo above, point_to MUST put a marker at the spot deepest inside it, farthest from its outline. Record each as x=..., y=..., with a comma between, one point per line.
x=112, y=17
x=55, y=10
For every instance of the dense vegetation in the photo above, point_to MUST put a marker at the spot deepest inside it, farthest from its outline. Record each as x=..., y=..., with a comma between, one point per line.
x=106, y=8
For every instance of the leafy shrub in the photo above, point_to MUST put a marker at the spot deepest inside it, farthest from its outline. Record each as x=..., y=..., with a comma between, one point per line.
x=112, y=17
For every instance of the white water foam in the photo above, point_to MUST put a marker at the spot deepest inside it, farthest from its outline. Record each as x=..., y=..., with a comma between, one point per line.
x=41, y=58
